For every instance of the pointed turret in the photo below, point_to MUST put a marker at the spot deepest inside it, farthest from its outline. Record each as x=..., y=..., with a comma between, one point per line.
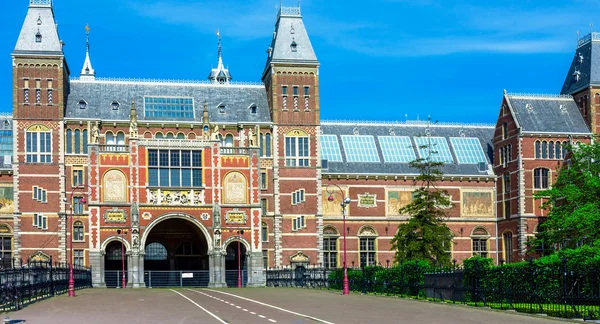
x=87, y=72
x=290, y=43
x=221, y=74
x=39, y=34
x=585, y=67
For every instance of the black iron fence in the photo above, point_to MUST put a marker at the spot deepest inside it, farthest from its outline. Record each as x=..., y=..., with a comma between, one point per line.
x=24, y=284
x=553, y=290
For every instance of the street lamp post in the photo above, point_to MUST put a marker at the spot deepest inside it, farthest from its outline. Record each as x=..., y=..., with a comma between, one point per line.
x=123, y=280
x=71, y=289
x=344, y=203
x=239, y=249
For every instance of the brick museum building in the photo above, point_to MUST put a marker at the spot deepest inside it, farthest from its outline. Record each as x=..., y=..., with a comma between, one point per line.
x=201, y=175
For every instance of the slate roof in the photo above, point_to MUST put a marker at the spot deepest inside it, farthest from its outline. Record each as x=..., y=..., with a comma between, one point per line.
x=99, y=95
x=585, y=67
x=290, y=28
x=40, y=18
x=412, y=129
x=547, y=114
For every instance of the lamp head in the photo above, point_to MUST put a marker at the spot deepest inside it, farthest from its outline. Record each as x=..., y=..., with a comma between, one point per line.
x=347, y=200
x=330, y=198
x=83, y=200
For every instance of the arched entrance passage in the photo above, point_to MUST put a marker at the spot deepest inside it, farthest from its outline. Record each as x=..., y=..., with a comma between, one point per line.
x=232, y=260
x=175, y=244
x=115, y=260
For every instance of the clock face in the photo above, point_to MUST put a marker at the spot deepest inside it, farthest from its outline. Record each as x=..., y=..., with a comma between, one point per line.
x=206, y=128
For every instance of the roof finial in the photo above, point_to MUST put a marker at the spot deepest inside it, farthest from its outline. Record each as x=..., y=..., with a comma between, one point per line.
x=87, y=37
x=591, y=26
x=219, y=44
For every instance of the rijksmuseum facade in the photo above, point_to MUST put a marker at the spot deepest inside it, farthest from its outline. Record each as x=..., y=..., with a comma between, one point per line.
x=189, y=175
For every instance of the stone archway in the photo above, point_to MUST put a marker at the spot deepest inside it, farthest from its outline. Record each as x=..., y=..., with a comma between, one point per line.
x=236, y=258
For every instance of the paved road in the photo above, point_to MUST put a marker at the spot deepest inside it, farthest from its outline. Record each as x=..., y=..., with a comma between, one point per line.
x=258, y=305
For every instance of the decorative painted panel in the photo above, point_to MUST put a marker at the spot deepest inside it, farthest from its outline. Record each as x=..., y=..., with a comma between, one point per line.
x=396, y=199
x=175, y=197
x=477, y=204
x=235, y=188
x=114, y=185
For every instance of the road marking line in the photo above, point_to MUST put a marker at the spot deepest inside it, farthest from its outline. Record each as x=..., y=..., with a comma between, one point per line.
x=253, y=313
x=237, y=307
x=262, y=316
x=275, y=307
x=245, y=310
x=202, y=308
x=272, y=320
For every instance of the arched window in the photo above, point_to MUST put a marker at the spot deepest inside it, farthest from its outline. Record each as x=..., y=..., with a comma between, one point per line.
x=330, y=247
x=110, y=138
x=551, y=150
x=77, y=141
x=558, y=150
x=85, y=141
x=507, y=246
x=38, y=144
x=155, y=252
x=538, y=148
x=159, y=135
x=170, y=136
x=113, y=251
x=264, y=232
x=262, y=145
x=296, y=149
x=544, y=150
x=78, y=231
x=120, y=138
x=540, y=178
x=180, y=136
x=479, y=238
x=564, y=150
x=228, y=140
x=69, y=140
x=368, y=251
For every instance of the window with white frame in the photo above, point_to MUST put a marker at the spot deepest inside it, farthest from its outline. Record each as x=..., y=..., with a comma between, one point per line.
x=264, y=232
x=298, y=223
x=296, y=149
x=78, y=231
x=39, y=194
x=40, y=221
x=78, y=258
x=298, y=197
x=77, y=177
x=78, y=205
x=330, y=247
x=38, y=144
x=480, y=239
x=540, y=178
x=174, y=168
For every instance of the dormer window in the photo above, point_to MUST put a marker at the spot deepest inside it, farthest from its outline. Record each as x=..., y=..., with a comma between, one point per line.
x=82, y=104
x=38, y=37
x=39, y=20
x=221, y=109
x=253, y=109
x=114, y=105
x=294, y=46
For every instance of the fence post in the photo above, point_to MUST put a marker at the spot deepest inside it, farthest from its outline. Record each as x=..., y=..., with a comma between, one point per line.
x=150, y=279
x=564, y=268
x=180, y=279
x=51, y=278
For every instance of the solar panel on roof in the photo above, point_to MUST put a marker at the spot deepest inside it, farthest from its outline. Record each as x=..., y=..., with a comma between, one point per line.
x=468, y=150
x=330, y=148
x=360, y=148
x=439, y=149
x=397, y=149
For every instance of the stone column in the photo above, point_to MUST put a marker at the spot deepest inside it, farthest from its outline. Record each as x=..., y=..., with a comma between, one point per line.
x=129, y=269
x=137, y=273
x=256, y=274
x=216, y=267
x=97, y=263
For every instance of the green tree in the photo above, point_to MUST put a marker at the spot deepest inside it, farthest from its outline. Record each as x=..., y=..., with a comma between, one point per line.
x=573, y=202
x=425, y=236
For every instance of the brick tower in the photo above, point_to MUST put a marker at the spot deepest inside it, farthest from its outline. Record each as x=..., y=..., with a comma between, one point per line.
x=291, y=78
x=40, y=76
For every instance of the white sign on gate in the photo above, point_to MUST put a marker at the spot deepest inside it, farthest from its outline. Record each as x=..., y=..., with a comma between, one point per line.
x=187, y=275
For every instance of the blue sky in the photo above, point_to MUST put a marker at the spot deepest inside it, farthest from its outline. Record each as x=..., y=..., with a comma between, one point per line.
x=380, y=60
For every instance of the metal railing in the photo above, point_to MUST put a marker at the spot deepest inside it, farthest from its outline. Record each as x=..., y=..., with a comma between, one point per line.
x=555, y=290
x=178, y=278
x=22, y=285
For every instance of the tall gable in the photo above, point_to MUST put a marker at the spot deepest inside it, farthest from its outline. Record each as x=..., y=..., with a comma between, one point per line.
x=547, y=114
x=291, y=43
x=39, y=34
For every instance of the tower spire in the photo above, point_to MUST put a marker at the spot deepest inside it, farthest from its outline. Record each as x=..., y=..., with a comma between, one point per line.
x=220, y=74
x=87, y=72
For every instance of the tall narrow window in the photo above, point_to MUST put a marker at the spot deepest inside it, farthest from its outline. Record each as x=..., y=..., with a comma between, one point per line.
x=551, y=150
x=504, y=130
x=78, y=258
x=538, y=149
x=264, y=232
x=367, y=251
x=479, y=239
x=544, y=150
x=330, y=247
x=284, y=90
x=263, y=206
x=26, y=91
x=508, y=246
x=295, y=90
x=262, y=144
x=228, y=140
x=69, y=141
x=77, y=145
x=265, y=259
x=268, y=144
x=306, y=91
x=6, y=251
x=78, y=205
x=121, y=138
x=263, y=180
x=85, y=141
x=77, y=177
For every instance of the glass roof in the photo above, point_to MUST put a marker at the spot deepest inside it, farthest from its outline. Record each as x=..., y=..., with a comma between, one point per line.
x=397, y=149
x=360, y=148
x=468, y=150
x=330, y=148
x=182, y=108
x=439, y=149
